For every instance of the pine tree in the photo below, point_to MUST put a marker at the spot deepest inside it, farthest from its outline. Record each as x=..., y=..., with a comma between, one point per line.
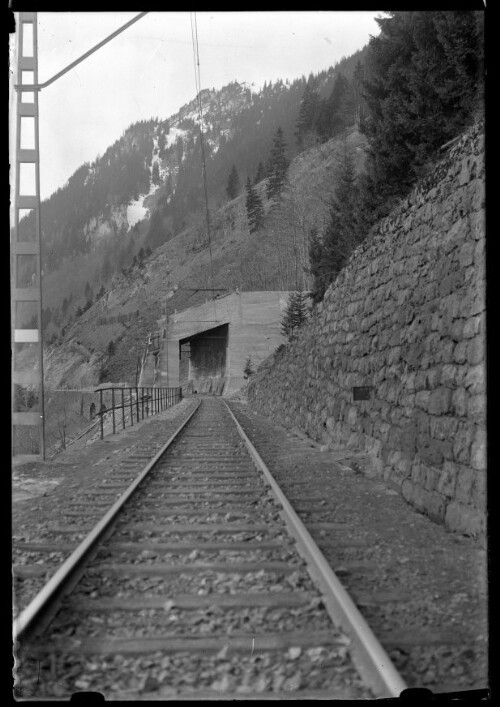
x=423, y=85
x=308, y=112
x=255, y=210
x=155, y=174
x=357, y=87
x=343, y=232
x=233, y=184
x=260, y=174
x=337, y=110
x=248, y=370
x=161, y=145
x=278, y=165
x=101, y=292
x=294, y=316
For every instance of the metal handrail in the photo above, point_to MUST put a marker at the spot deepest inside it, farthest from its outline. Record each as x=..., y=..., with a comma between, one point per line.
x=161, y=398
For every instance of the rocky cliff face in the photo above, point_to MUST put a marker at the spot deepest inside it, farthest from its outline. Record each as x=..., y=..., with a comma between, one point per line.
x=405, y=319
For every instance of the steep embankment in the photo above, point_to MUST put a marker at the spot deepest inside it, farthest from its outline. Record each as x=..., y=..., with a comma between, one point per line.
x=406, y=319
x=269, y=259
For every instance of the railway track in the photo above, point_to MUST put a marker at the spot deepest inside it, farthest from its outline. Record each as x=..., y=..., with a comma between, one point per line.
x=199, y=582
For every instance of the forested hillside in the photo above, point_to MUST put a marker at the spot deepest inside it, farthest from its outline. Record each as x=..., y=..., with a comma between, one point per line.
x=423, y=84
x=147, y=187
x=296, y=175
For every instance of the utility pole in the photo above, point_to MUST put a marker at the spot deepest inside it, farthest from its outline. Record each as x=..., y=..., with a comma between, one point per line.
x=28, y=417
x=28, y=436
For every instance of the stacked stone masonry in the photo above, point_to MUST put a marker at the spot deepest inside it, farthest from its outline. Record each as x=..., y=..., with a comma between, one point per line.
x=407, y=317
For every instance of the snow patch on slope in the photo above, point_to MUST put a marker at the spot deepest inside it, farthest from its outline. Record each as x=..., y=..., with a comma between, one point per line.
x=172, y=136
x=136, y=211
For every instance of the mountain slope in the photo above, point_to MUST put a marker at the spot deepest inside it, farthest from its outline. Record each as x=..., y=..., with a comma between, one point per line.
x=273, y=258
x=95, y=224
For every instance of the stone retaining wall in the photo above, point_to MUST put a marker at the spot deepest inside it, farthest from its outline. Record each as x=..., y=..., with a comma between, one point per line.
x=406, y=317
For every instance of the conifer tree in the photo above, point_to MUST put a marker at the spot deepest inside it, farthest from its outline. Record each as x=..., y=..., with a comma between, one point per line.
x=233, y=184
x=308, y=112
x=161, y=145
x=260, y=174
x=294, y=316
x=155, y=174
x=255, y=210
x=278, y=165
x=337, y=110
x=424, y=83
x=358, y=98
x=100, y=293
x=248, y=370
x=343, y=232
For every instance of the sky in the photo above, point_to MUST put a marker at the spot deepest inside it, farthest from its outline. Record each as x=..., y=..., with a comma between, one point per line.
x=148, y=70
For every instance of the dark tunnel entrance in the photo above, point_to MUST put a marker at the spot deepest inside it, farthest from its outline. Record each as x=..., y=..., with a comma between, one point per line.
x=202, y=366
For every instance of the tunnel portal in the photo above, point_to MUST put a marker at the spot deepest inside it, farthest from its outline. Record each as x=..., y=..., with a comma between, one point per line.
x=203, y=360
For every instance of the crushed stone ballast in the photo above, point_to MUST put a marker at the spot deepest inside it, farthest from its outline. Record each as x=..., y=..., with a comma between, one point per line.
x=199, y=579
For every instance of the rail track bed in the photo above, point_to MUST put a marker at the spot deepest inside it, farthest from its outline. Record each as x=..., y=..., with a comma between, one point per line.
x=421, y=589
x=39, y=548
x=195, y=589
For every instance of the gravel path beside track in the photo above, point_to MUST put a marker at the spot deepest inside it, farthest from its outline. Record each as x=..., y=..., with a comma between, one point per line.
x=422, y=589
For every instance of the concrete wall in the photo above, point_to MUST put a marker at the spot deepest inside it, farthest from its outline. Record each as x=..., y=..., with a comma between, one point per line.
x=254, y=320
x=407, y=317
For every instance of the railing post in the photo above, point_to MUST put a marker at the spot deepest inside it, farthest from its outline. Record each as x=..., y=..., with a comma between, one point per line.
x=113, y=408
x=131, y=408
x=142, y=402
x=137, y=403
x=101, y=413
x=123, y=410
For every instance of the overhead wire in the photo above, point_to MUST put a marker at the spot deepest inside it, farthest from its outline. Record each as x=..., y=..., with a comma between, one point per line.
x=197, y=78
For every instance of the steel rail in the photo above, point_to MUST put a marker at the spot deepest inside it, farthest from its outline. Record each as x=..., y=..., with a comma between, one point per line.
x=27, y=623
x=370, y=658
